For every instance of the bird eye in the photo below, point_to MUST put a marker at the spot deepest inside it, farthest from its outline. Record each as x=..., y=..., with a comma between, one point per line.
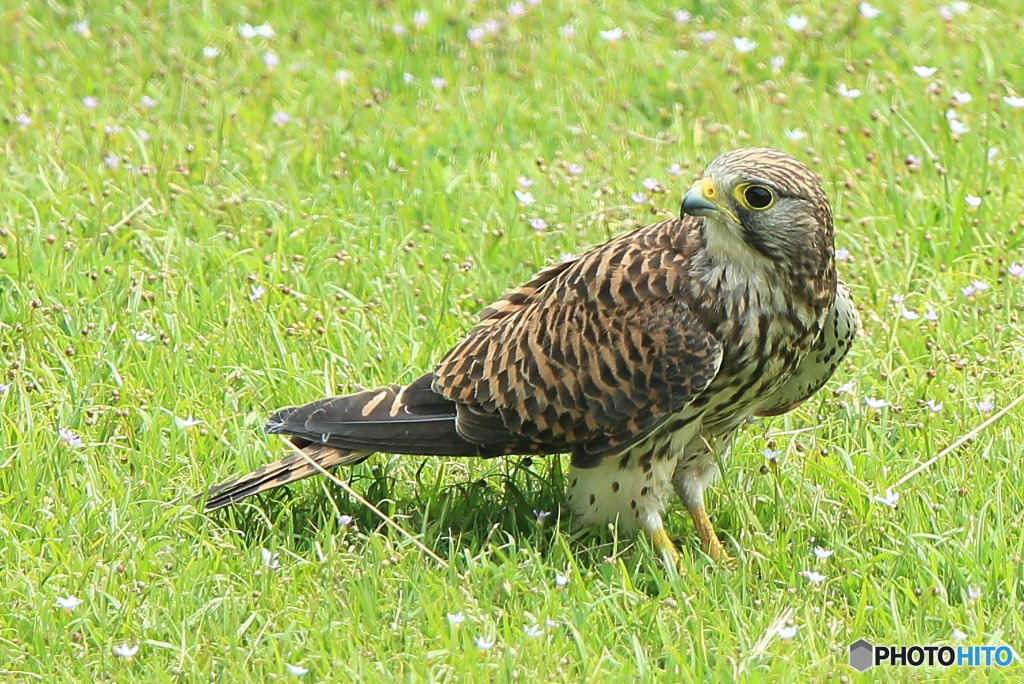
x=758, y=197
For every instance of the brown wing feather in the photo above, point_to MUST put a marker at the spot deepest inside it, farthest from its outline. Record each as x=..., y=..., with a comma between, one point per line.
x=589, y=356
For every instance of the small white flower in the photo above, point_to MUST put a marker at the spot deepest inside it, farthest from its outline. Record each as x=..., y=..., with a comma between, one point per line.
x=90, y=102
x=896, y=299
x=1016, y=269
x=483, y=643
x=869, y=12
x=408, y=78
x=889, y=499
x=491, y=27
x=843, y=254
x=958, y=635
x=778, y=61
x=456, y=619
x=968, y=291
x=270, y=59
x=256, y=294
x=612, y=35
x=144, y=136
x=296, y=670
x=682, y=16
x=787, y=632
x=398, y=30
x=962, y=97
x=538, y=224
x=934, y=406
x=524, y=197
x=516, y=10
x=909, y=315
x=438, y=82
x=23, y=120
x=796, y=22
x=771, y=454
x=69, y=438
x=650, y=185
x=744, y=45
x=532, y=631
x=342, y=76
x=550, y=623
x=125, y=651
x=931, y=315
x=973, y=593
x=638, y=197
x=875, y=403
x=69, y=602
x=959, y=7
x=475, y=35
x=186, y=423
x=794, y=134
x=345, y=520
x=957, y=126
x=281, y=118
x=524, y=182
x=270, y=559
x=4, y=388
x=985, y=406
x=81, y=28
x=822, y=554
x=566, y=31
x=264, y=31
x=674, y=170
x=1016, y=102
x=925, y=72
x=420, y=19
x=972, y=201
x=848, y=93
x=845, y=388
x=945, y=13
x=147, y=102
x=574, y=169
x=561, y=580
x=210, y=52
x=813, y=576
x=246, y=31
x=979, y=285
x=992, y=152
x=110, y=160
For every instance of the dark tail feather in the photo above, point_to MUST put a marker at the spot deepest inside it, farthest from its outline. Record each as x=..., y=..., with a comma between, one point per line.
x=289, y=469
x=346, y=430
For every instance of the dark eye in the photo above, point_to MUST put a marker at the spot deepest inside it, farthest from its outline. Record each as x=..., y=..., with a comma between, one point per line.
x=758, y=196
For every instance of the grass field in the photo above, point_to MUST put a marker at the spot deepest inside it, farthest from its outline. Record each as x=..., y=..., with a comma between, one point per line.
x=202, y=220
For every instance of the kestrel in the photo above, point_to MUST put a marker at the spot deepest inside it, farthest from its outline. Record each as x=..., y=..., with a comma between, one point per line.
x=640, y=357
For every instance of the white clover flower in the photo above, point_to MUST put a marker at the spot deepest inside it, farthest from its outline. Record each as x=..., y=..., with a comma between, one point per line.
x=889, y=499
x=848, y=93
x=868, y=11
x=69, y=602
x=125, y=651
x=270, y=559
x=744, y=45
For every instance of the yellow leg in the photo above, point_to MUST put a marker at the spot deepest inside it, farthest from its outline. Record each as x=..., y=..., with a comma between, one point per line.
x=708, y=539
x=663, y=545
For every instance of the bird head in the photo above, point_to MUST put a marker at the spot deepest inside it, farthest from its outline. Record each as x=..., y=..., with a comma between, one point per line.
x=759, y=203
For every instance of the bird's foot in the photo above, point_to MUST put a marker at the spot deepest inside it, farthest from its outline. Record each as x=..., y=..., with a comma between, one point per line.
x=709, y=541
x=663, y=545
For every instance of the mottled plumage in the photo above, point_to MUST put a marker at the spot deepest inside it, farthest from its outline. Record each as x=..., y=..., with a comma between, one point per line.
x=639, y=358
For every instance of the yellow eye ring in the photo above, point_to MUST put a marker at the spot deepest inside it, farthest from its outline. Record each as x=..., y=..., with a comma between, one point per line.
x=754, y=197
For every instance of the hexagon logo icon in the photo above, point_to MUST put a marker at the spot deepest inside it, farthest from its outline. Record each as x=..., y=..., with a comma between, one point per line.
x=862, y=655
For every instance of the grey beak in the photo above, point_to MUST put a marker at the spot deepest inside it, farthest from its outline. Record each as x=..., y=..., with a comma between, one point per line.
x=695, y=204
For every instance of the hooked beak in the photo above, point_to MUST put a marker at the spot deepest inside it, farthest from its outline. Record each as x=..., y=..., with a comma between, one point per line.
x=700, y=198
